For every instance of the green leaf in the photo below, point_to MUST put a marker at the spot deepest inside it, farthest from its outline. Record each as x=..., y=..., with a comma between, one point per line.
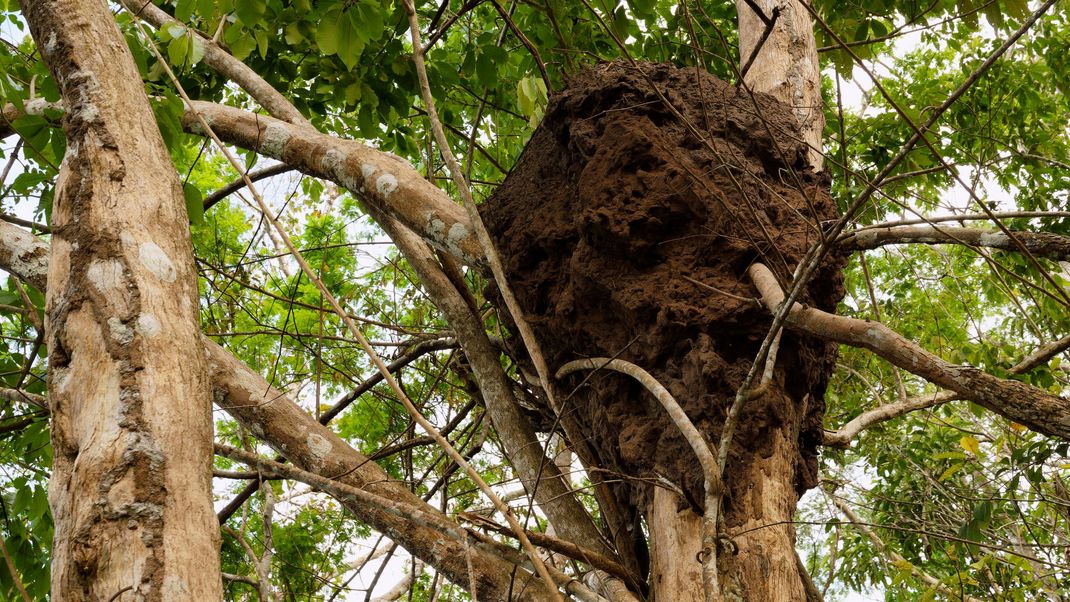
x=951, y=470
x=329, y=33
x=194, y=203
x=261, y=42
x=184, y=9
x=172, y=31
x=370, y=22
x=250, y=12
x=196, y=49
x=293, y=34
x=350, y=42
x=177, y=50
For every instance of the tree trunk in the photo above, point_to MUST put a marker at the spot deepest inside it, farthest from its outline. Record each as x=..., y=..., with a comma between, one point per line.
x=782, y=62
x=758, y=521
x=786, y=64
x=633, y=211
x=131, y=421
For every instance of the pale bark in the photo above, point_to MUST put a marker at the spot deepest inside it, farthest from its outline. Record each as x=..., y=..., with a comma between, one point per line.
x=675, y=548
x=387, y=182
x=1041, y=244
x=786, y=63
x=1014, y=400
x=130, y=490
x=763, y=566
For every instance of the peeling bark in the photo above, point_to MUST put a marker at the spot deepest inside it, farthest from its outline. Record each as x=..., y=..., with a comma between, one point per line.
x=131, y=417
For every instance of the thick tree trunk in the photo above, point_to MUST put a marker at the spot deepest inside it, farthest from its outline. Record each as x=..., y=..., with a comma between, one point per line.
x=780, y=55
x=758, y=521
x=128, y=387
x=786, y=64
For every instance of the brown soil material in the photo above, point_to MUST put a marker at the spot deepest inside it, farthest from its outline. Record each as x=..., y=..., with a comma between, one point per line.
x=615, y=203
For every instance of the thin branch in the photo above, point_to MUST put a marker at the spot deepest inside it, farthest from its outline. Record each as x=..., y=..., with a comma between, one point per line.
x=239, y=183
x=1045, y=244
x=14, y=573
x=967, y=217
x=557, y=545
x=488, y=249
x=898, y=560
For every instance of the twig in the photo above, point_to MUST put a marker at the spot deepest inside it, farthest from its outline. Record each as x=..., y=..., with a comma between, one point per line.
x=14, y=573
x=928, y=579
x=239, y=183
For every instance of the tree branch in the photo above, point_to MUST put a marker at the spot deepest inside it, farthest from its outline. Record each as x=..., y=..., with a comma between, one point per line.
x=1017, y=401
x=1046, y=244
x=275, y=418
x=842, y=438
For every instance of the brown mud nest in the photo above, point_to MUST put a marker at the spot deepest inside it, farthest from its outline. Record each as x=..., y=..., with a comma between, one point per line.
x=623, y=200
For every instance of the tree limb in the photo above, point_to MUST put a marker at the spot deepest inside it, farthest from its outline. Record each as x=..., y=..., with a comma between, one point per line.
x=1017, y=401
x=842, y=438
x=1046, y=244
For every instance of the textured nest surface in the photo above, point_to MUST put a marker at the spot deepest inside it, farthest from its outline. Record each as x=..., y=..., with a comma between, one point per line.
x=616, y=207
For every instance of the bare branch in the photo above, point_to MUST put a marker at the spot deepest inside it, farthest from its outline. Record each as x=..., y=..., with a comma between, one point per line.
x=843, y=437
x=1017, y=401
x=1046, y=244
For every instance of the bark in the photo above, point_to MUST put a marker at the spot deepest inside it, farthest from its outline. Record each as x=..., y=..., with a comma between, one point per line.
x=130, y=490
x=1014, y=400
x=760, y=562
x=843, y=436
x=783, y=62
x=273, y=418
